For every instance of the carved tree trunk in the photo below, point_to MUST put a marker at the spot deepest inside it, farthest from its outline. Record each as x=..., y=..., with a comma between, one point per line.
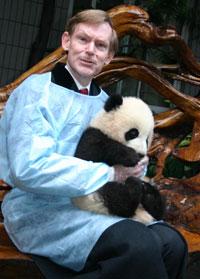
x=182, y=195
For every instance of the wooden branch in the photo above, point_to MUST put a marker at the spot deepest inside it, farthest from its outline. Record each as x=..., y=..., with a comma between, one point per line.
x=132, y=20
x=193, y=240
x=165, y=141
x=176, y=72
x=122, y=67
x=192, y=152
x=170, y=118
x=183, y=203
x=45, y=65
x=183, y=77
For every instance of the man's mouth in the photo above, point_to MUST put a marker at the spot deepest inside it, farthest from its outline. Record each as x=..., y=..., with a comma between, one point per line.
x=87, y=62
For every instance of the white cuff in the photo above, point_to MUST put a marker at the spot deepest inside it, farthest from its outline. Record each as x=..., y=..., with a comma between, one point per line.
x=111, y=174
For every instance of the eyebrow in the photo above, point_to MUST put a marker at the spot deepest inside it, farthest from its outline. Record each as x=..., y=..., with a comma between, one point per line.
x=82, y=32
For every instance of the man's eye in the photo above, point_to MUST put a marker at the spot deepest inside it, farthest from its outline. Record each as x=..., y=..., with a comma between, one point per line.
x=100, y=45
x=83, y=39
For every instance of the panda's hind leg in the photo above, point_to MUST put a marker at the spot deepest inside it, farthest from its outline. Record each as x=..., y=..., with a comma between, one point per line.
x=122, y=199
x=143, y=216
x=153, y=201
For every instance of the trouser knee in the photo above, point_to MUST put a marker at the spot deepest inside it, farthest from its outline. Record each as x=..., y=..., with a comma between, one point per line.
x=125, y=249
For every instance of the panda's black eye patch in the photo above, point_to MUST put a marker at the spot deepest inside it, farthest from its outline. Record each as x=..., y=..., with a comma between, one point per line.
x=131, y=134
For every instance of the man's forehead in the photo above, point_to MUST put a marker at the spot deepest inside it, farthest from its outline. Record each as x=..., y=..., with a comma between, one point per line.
x=93, y=28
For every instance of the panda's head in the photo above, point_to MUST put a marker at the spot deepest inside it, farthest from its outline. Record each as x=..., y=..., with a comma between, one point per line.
x=128, y=120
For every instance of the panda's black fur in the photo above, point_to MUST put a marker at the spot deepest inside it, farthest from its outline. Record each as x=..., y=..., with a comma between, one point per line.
x=134, y=198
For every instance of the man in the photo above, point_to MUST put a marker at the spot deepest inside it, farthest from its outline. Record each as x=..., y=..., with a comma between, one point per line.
x=39, y=131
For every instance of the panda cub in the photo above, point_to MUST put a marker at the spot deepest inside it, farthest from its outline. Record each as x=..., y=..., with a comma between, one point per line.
x=120, y=135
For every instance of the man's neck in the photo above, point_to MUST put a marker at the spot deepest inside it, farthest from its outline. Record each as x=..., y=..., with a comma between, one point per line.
x=79, y=86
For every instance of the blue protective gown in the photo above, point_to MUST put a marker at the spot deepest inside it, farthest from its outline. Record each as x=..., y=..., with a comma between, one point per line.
x=39, y=131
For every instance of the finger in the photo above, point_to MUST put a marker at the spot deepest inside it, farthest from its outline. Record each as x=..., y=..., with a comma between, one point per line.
x=144, y=161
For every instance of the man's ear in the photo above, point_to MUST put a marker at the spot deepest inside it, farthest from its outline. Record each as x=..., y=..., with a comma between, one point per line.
x=65, y=40
x=109, y=57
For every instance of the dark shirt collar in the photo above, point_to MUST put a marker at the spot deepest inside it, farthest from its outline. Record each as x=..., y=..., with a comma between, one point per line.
x=62, y=77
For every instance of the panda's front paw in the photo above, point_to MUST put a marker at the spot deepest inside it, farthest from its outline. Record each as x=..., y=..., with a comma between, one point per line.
x=130, y=158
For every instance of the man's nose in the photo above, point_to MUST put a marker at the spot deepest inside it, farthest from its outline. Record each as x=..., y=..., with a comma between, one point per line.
x=91, y=47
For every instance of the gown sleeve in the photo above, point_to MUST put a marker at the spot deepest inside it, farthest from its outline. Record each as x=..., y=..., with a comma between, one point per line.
x=36, y=120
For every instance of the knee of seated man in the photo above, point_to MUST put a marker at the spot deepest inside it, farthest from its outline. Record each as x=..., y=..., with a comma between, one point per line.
x=172, y=241
x=176, y=244
x=130, y=237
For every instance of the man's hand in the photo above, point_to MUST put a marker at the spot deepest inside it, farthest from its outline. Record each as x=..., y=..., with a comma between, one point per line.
x=121, y=173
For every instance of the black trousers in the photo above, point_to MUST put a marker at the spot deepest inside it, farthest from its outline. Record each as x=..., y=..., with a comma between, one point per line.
x=129, y=250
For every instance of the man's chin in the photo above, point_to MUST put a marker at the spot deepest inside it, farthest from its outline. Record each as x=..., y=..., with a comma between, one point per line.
x=84, y=73
x=87, y=73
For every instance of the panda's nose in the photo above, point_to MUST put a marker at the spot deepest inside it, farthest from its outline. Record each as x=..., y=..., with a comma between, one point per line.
x=141, y=155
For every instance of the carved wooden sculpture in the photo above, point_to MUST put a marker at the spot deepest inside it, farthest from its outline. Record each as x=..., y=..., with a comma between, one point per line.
x=182, y=195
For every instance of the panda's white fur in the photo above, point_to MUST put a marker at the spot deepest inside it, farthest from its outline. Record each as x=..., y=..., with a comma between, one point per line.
x=115, y=123
x=133, y=113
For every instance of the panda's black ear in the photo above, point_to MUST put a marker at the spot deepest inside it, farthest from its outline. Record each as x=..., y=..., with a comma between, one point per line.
x=113, y=102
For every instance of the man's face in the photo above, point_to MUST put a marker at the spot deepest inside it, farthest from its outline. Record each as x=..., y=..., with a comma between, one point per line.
x=88, y=50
